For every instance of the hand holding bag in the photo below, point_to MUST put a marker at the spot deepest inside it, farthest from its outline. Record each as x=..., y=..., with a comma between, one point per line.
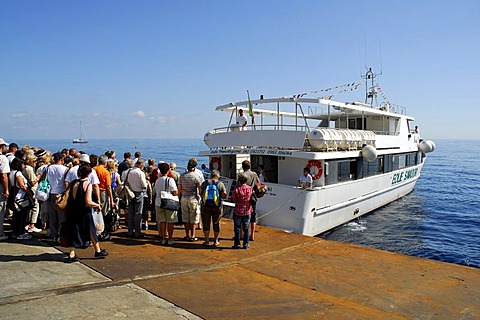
x=98, y=220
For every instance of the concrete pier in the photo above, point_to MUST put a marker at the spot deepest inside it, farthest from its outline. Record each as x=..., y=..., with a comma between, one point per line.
x=283, y=276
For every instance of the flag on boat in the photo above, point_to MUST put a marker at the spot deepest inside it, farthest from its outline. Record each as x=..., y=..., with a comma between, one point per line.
x=250, y=106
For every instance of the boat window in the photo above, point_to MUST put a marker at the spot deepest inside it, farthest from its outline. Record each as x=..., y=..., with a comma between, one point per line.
x=371, y=168
x=270, y=164
x=419, y=157
x=340, y=171
x=411, y=157
x=402, y=161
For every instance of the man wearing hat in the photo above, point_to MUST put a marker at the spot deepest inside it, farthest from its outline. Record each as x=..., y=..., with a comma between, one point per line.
x=189, y=189
x=4, y=171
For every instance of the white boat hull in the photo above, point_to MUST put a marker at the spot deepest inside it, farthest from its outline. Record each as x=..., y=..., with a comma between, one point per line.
x=311, y=212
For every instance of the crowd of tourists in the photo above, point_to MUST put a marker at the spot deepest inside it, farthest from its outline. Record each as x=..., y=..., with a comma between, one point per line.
x=78, y=199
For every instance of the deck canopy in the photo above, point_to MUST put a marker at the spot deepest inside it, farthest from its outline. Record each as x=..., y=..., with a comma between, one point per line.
x=337, y=109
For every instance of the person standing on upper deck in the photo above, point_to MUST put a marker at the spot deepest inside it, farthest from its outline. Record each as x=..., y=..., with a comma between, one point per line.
x=241, y=120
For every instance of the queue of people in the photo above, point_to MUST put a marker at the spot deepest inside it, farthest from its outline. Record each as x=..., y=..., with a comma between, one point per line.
x=92, y=183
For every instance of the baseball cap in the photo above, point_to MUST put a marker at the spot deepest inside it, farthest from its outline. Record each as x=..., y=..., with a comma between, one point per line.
x=3, y=142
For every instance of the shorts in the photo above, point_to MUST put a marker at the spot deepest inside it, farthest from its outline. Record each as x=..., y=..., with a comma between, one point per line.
x=190, y=210
x=164, y=215
x=209, y=215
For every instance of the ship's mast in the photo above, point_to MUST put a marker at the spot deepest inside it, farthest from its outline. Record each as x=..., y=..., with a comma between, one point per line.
x=371, y=90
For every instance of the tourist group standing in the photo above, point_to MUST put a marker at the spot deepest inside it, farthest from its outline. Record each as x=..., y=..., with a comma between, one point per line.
x=96, y=189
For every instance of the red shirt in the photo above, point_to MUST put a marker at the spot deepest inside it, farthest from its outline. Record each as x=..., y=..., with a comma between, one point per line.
x=241, y=196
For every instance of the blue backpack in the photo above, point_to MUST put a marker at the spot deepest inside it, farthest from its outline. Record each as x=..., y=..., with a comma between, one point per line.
x=211, y=195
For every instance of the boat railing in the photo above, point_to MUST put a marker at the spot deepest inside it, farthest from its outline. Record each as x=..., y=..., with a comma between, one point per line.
x=386, y=133
x=260, y=127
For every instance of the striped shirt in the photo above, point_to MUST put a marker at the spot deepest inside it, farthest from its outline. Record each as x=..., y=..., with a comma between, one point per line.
x=189, y=184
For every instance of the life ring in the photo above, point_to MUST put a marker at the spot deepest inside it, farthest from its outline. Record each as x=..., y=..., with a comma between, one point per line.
x=216, y=163
x=317, y=167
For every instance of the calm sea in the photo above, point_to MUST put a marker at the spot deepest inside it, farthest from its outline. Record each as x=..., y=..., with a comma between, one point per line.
x=439, y=220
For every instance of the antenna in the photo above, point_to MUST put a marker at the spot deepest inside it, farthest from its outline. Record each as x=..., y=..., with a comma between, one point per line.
x=381, y=63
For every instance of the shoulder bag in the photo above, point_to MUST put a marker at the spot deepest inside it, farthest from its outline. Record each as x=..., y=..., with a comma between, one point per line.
x=19, y=204
x=124, y=191
x=168, y=200
x=61, y=201
x=43, y=190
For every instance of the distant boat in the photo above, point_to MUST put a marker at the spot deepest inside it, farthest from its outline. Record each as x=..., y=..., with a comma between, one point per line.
x=83, y=136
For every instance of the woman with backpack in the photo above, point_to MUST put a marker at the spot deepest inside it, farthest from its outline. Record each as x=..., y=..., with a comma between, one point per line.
x=212, y=191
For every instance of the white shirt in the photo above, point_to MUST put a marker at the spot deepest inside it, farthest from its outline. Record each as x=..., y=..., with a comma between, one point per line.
x=137, y=180
x=56, y=173
x=306, y=181
x=13, y=182
x=10, y=157
x=4, y=168
x=160, y=186
x=200, y=175
x=242, y=121
x=73, y=174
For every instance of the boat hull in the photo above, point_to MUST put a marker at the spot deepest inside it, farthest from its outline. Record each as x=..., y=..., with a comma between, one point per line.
x=80, y=141
x=311, y=212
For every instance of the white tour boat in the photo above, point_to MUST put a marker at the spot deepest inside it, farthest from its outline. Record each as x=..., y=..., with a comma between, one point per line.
x=362, y=155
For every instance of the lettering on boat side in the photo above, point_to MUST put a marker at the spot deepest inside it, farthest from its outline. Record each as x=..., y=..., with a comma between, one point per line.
x=254, y=151
x=404, y=176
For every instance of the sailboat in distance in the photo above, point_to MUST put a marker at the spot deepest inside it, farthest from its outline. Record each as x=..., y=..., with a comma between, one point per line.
x=83, y=136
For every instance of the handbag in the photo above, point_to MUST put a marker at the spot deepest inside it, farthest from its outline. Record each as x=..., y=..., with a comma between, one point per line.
x=124, y=191
x=167, y=200
x=25, y=203
x=260, y=189
x=43, y=190
x=61, y=201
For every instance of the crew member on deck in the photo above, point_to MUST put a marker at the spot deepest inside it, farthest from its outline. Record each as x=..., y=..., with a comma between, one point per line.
x=305, y=180
x=241, y=120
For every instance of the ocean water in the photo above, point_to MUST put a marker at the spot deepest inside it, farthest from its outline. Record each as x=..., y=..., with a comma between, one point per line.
x=439, y=220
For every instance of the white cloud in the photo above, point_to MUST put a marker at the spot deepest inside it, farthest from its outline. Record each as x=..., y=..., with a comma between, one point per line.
x=97, y=114
x=161, y=119
x=139, y=113
x=19, y=115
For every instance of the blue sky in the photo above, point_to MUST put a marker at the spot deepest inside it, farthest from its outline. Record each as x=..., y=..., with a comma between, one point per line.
x=157, y=69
